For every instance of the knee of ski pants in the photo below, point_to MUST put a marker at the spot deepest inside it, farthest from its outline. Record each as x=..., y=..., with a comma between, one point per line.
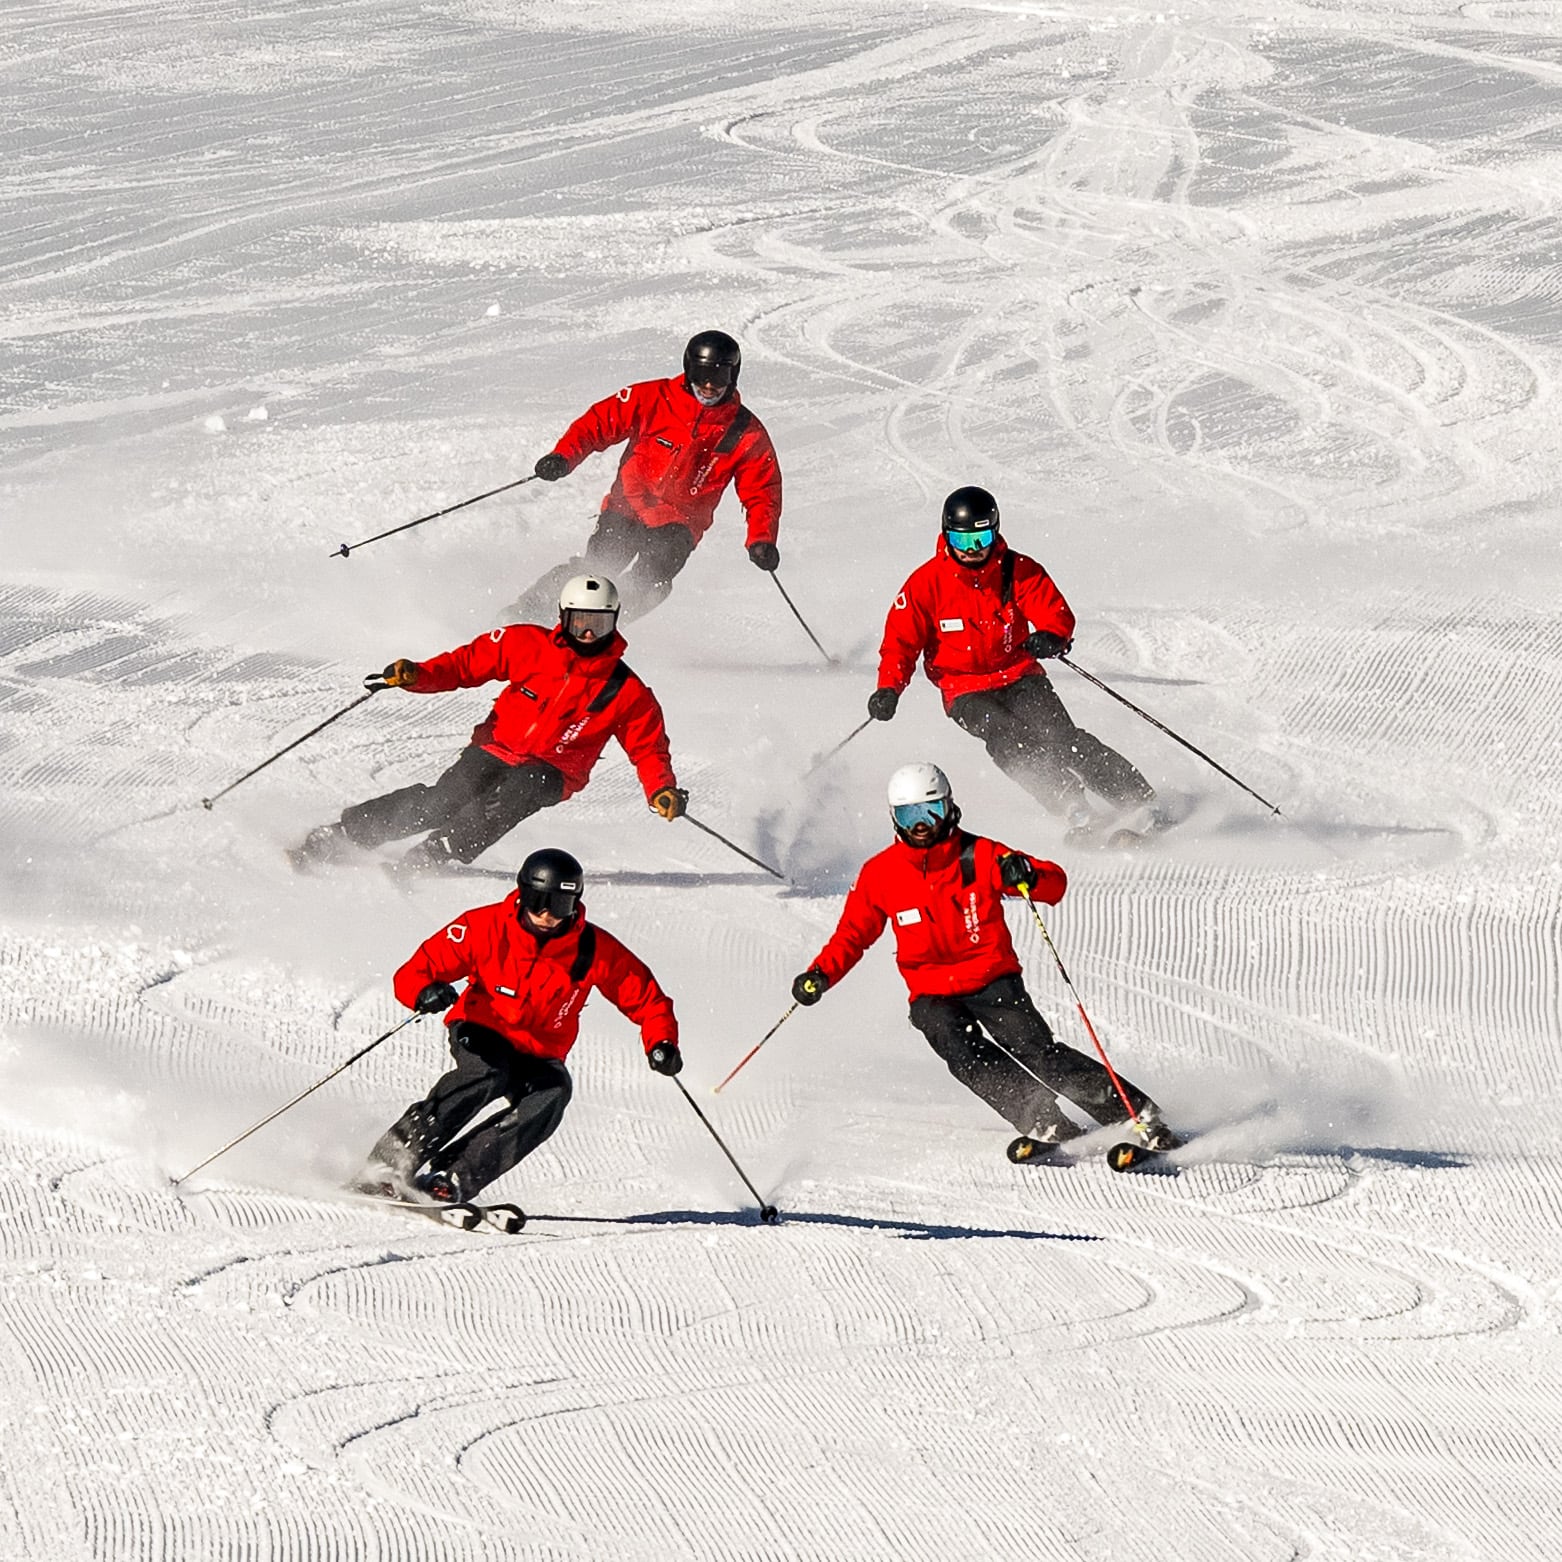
x=946, y=1023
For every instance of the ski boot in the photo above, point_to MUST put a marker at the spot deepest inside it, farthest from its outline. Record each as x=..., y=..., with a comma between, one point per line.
x=325, y=843
x=1042, y=1141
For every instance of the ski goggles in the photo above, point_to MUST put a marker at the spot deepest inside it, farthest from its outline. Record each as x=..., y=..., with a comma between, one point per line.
x=909, y=815
x=711, y=374
x=560, y=901
x=595, y=623
x=972, y=542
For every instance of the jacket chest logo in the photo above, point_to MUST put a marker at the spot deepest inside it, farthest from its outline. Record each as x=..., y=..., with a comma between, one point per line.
x=973, y=919
x=951, y=626
x=907, y=918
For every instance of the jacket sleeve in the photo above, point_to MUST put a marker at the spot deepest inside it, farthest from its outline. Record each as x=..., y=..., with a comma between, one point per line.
x=484, y=659
x=1041, y=602
x=907, y=634
x=446, y=957
x=757, y=481
x=604, y=423
x=1048, y=880
x=642, y=733
x=861, y=923
x=625, y=980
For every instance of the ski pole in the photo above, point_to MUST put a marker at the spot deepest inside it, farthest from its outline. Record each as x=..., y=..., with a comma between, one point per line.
x=1117, y=1084
x=206, y=802
x=767, y=1212
x=824, y=759
x=799, y=617
x=326, y=1079
x=346, y=548
x=755, y=1048
x=776, y=872
x=1162, y=727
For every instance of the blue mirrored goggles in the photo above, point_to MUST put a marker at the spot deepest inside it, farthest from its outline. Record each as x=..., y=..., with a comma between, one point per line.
x=972, y=542
x=909, y=815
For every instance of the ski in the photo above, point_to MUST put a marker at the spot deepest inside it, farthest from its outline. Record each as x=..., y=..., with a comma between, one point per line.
x=1025, y=1150
x=507, y=1219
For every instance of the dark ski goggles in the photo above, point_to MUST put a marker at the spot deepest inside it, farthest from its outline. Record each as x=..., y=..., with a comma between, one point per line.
x=597, y=623
x=972, y=542
x=560, y=901
x=718, y=374
x=909, y=815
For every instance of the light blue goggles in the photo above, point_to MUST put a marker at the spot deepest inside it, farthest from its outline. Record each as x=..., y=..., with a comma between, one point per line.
x=970, y=542
x=909, y=815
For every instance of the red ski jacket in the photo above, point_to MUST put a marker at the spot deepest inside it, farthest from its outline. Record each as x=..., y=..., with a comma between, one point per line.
x=531, y=990
x=681, y=457
x=971, y=624
x=946, y=904
x=561, y=707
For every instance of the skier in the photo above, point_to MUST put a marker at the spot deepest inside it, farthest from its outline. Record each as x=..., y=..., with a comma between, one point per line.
x=943, y=889
x=529, y=962
x=569, y=691
x=689, y=437
x=966, y=612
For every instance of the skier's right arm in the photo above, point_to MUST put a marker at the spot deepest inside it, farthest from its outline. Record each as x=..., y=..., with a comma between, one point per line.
x=861, y=923
x=604, y=423
x=501, y=653
x=907, y=632
x=446, y=957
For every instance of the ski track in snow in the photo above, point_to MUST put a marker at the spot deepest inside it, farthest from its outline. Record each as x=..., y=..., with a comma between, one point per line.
x=1252, y=321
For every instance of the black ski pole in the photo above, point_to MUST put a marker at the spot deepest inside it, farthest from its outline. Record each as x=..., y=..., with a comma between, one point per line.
x=340, y=1068
x=347, y=548
x=799, y=617
x=824, y=759
x=1162, y=727
x=206, y=802
x=755, y=1048
x=767, y=1212
x=732, y=845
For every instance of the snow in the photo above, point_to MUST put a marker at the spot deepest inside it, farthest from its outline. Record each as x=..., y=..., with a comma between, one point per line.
x=1250, y=316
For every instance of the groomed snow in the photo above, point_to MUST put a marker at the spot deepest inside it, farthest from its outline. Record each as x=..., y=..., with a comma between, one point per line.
x=1252, y=318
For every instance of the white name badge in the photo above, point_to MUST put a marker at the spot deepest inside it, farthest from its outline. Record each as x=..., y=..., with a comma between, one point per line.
x=950, y=626
x=906, y=918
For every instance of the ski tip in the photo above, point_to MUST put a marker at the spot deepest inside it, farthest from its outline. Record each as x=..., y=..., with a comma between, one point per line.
x=769, y=1214
x=1124, y=1157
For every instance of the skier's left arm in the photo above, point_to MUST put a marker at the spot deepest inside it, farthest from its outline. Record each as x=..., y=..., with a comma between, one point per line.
x=642, y=734
x=1045, y=880
x=484, y=659
x=757, y=482
x=627, y=983
x=1043, y=605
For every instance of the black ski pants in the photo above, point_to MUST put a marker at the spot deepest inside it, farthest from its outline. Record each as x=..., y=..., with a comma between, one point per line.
x=476, y=802
x=515, y=1100
x=997, y=1045
x=1033, y=740
x=640, y=560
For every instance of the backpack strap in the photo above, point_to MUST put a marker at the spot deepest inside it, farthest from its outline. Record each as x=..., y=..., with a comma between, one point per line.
x=584, y=954
x=735, y=431
x=609, y=690
x=967, y=859
x=1006, y=580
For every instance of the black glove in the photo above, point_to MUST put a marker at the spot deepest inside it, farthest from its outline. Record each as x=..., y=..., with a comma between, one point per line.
x=665, y=1058
x=1015, y=869
x=882, y=703
x=765, y=554
x=1043, y=645
x=809, y=987
x=551, y=467
x=401, y=674
x=434, y=997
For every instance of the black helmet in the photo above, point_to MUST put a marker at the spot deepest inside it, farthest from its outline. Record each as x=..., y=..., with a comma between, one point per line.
x=713, y=351
x=970, y=510
x=551, y=880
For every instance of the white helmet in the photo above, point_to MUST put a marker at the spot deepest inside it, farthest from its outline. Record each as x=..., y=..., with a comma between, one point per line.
x=588, y=612
x=919, y=796
x=591, y=592
x=917, y=784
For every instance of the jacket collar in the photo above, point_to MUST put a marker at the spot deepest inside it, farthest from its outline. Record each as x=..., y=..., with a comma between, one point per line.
x=936, y=857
